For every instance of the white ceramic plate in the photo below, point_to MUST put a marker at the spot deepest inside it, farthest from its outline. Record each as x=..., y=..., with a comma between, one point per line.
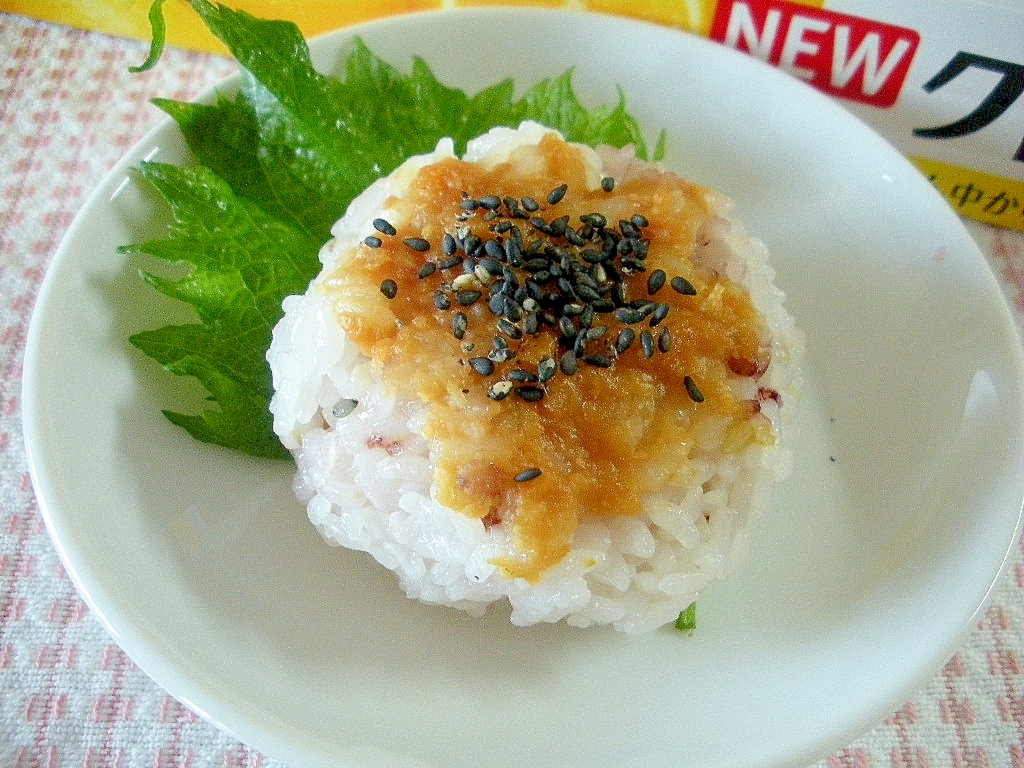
x=881, y=550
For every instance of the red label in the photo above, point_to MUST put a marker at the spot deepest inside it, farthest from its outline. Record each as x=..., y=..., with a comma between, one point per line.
x=846, y=56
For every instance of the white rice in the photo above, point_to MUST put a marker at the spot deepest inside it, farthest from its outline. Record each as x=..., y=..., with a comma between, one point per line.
x=366, y=479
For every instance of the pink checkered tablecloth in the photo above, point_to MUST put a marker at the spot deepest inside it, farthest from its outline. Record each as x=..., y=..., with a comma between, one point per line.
x=68, y=695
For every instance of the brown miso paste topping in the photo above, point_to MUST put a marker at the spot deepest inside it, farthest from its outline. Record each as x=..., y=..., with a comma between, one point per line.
x=571, y=351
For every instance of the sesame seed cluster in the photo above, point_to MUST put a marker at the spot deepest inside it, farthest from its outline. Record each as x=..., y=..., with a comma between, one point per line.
x=539, y=271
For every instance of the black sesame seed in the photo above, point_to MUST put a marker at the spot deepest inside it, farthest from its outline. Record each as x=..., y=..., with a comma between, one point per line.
x=659, y=314
x=449, y=261
x=607, y=183
x=384, y=227
x=655, y=281
x=624, y=340
x=568, y=363
x=427, y=270
x=448, y=244
x=566, y=326
x=598, y=361
x=467, y=297
x=555, y=195
x=496, y=303
x=389, y=288
x=442, y=300
x=639, y=220
x=546, y=368
x=683, y=286
x=596, y=332
x=620, y=294
x=527, y=474
x=530, y=392
x=628, y=315
x=482, y=365
x=512, y=311
x=522, y=377
x=579, y=343
x=557, y=226
x=514, y=252
x=692, y=390
x=647, y=342
x=574, y=237
x=540, y=225
x=459, y=324
x=417, y=244
x=470, y=242
x=531, y=323
x=490, y=202
x=509, y=328
x=530, y=204
x=595, y=220
x=372, y=242
x=664, y=340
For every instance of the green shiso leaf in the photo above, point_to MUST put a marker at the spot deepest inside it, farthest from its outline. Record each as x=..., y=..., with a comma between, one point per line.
x=156, y=48
x=241, y=261
x=687, y=619
x=275, y=166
